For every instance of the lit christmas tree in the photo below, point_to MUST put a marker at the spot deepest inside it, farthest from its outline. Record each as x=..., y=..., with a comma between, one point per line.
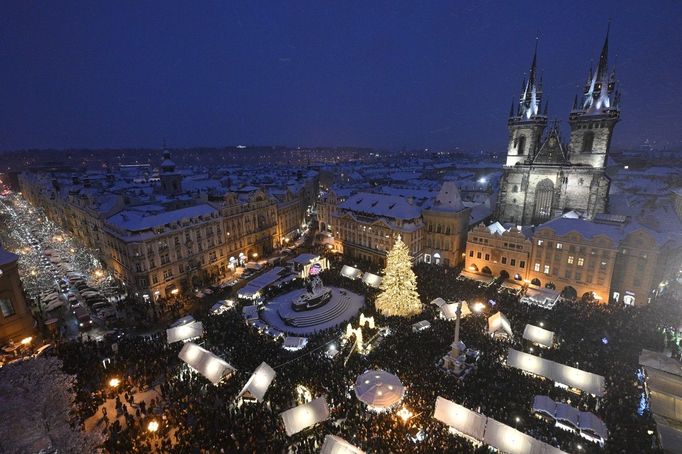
x=399, y=285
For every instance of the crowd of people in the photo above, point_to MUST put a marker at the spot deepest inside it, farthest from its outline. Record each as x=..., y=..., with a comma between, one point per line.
x=196, y=416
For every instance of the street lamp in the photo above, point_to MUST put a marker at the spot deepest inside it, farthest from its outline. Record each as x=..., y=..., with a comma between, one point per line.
x=405, y=414
x=114, y=382
x=153, y=426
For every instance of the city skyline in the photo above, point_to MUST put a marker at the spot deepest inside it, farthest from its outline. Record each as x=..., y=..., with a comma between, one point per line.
x=392, y=78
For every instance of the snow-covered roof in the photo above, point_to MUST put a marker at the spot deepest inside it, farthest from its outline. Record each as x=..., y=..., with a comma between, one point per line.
x=303, y=416
x=259, y=382
x=539, y=335
x=337, y=445
x=206, y=363
x=137, y=220
x=382, y=205
x=448, y=198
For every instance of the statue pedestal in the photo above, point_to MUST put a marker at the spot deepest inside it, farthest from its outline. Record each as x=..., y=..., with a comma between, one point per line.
x=455, y=361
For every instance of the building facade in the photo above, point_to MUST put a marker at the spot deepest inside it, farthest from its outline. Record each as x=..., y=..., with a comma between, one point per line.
x=545, y=177
x=16, y=321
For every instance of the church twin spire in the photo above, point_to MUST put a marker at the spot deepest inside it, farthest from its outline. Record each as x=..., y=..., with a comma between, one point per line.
x=531, y=93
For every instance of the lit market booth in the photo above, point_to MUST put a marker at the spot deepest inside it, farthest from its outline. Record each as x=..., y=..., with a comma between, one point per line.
x=542, y=297
x=255, y=287
x=258, y=383
x=575, y=380
x=448, y=311
x=480, y=429
x=499, y=326
x=379, y=390
x=371, y=279
x=483, y=279
x=539, y=336
x=308, y=264
x=188, y=331
x=337, y=445
x=350, y=272
x=303, y=416
x=566, y=417
x=206, y=363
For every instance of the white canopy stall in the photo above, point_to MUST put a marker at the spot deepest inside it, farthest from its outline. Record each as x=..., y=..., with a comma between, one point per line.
x=303, y=416
x=498, y=324
x=294, y=343
x=544, y=405
x=192, y=330
x=559, y=373
x=539, y=336
x=507, y=439
x=206, y=363
x=350, y=272
x=371, y=279
x=567, y=415
x=379, y=389
x=258, y=383
x=439, y=302
x=465, y=421
x=337, y=445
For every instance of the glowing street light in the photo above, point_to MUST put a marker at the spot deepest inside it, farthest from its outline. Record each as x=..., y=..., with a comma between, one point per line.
x=478, y=307
x=99, y=273
x=405, y=414
x=26, y=340
x=114, y=382
x=153, y=426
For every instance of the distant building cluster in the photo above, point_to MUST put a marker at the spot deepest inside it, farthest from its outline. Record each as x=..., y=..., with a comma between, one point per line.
x=169, y=230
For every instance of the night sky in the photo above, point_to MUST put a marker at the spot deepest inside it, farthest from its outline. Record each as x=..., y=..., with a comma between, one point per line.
x=391, y=74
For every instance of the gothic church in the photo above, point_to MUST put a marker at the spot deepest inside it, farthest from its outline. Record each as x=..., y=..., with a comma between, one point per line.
x=544, y=176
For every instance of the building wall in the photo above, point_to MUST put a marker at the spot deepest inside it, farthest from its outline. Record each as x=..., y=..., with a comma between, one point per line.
x=446, y=235
x=509, y=252
x=17, y=322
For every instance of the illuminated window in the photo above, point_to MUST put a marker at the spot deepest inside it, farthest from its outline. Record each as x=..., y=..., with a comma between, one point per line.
x=6, y=307
x=546, y=269
x=581, y=261
x=570, y=259
x=540, y=242
x=559, y=246
x=536, y=267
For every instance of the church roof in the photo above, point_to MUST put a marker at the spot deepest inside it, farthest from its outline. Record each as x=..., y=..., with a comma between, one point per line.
x=448, y=198
x=552, y=150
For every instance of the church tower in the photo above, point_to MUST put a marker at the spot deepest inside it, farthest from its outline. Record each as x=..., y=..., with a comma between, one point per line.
x=171, y=181
x=593, y=117
x=526, y=123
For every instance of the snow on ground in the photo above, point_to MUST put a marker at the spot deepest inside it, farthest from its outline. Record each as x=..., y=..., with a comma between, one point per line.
x=271, y=316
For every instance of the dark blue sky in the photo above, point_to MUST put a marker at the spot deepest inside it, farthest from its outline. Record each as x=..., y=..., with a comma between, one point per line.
x=385, y=74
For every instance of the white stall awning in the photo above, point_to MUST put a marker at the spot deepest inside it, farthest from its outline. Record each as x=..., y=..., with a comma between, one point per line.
x=350, y=272
x=539, y=335
x=371, y=279
x=192, y=330
x=206, y=363
x=337, y=445
x=258, y=383
x=449, y=311
x=460, y=418
x=545, y=405
x=303, y=416
x=498, y=322
x=507, y=439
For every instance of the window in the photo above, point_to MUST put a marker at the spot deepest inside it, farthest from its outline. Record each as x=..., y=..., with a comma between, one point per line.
x=559, y=246
x=487, y=256
x=471, y=253
x=581, y=261
x=540, y=242
x=513, y=262
x=570, y=259
x=522, y=264
x=504, y=260
x=521, y=145
x=6, y=307
x=577, y=275
x=478, y=255
x=546, y=269
x=588, y=140
x=536, y=267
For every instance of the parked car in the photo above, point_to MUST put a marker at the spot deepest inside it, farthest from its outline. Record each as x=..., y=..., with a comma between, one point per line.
x=83, y=318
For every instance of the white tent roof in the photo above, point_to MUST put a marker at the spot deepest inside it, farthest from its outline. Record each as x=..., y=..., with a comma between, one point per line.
x=449, y=311
x=205, y=362
x=371, y=279
x=379, y=389
x=460, y=418
x=539, y=335
x=590, y=422
x=498, y=322
x=337, y=445
x=567, y=414
x=507, y=439
x=185, y=332
x=303, y=416
x=350, y=272
x=294, y=342
x=570, y=376
x=544, y=404
x=438, y=301
x=259, y=382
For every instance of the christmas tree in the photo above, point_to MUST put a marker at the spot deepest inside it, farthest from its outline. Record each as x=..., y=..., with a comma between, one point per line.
x=399, y=285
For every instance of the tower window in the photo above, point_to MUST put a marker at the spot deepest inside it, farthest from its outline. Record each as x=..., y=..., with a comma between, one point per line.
x=521, y=147
x=515, y=188
x=588, y=140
